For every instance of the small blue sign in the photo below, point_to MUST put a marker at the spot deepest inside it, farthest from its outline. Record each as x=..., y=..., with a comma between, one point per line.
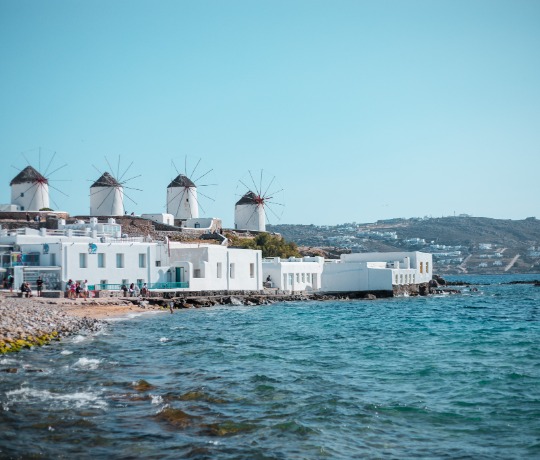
x=45, y=248
x=92, y=248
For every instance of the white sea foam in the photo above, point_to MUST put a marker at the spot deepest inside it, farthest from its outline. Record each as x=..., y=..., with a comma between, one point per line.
x=78, y=338
x=164, y=339
x=66, y=352
x=69, y=400
x=87, y=363
x=7, y=361
x=156, y=399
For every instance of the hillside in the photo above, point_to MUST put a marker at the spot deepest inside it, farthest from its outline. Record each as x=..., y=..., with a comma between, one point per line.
x=459, y=244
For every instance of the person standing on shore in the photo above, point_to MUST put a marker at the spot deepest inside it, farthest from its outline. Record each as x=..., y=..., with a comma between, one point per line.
x=84, y=289
x=39, y=286
x=10, y=282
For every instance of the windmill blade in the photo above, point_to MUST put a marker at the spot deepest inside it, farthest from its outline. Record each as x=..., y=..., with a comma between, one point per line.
x=110, y=167
x=118, y=167
x=256, y=209
x=24, y=156
x=175, y=168
x=198, y=204
x=272, y=211
x=106, y=196
x=15, y=167
x=129, y=198
x=245, y=186
x=195, y=169
x=131, y=178
x=55, y=203
x=125, y=172
x=200, y=177
x=95, y=167
x=57, y=169
x=206, y=196
x=58, y=190
x=175, y=196
x=132, y=188
x=33, y=195
x=254, y=184
x=275, y=192
x=269, y=185
x=180, y=201
x=206, y=185
x=50, y=163
x=260, y=182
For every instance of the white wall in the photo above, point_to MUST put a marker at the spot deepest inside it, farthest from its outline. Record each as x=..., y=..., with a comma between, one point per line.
x=106, y=201
x=246, y=273
x=35, y=196
x=294, y=274
x=376, y=271
x=249, y=217
x=164, y=218
x=182, y=202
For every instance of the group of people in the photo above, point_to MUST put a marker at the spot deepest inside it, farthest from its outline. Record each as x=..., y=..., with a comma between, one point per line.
x=134, y=290
x=76, y=289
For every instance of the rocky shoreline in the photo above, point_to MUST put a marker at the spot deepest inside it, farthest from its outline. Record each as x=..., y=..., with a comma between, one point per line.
x=24, y=324
x=38, y=321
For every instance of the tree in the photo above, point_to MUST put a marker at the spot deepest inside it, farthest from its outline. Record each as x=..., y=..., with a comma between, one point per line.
x=270, y=245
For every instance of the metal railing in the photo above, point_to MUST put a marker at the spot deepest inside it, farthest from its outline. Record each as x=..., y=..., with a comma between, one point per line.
x=118, y=287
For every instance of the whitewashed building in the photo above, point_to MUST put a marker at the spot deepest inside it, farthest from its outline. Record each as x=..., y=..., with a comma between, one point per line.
x=98, y=252
x=216, y=268
x=293, y=274
x=160, y=218
x=381, y=271
x=249, y=213
x=30, y=190
x=182, y=201
x=106, y=197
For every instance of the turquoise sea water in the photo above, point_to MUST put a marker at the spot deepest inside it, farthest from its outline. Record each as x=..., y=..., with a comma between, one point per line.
x=437, y=377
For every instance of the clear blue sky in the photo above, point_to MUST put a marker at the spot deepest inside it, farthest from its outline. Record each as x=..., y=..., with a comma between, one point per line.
x=363, y=110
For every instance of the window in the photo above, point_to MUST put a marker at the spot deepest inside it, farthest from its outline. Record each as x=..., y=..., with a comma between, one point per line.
x=196, y=273
x=22, y=194
x=53, y=259
x=142, y=260
x=421, y=267
x=298, y=277
x=396, y=279
x=291, y=279
x=231, y=271
x=303, y=277
x=219, y=269
x=101, y=260
x=414, y=278
x=427, y=267
x=119, y=260
x=401, y=279
x=252, y=270
x=82, y=260
x=158, y=263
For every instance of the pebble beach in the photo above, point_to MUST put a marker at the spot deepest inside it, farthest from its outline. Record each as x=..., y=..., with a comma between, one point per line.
x=26, y=322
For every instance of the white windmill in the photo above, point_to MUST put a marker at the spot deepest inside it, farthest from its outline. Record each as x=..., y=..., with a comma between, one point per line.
x=107, y=193
x=30, y=188
x=258, y=203
x=183, y=199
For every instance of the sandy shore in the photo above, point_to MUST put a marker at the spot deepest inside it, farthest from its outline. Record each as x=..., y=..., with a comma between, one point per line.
x=91, y=308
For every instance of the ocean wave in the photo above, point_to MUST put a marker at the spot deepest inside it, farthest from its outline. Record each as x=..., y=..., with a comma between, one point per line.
x=87, y=363
x=80, y=399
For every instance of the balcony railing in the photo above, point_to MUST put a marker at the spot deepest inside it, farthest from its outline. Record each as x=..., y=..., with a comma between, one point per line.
x=118, y=287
